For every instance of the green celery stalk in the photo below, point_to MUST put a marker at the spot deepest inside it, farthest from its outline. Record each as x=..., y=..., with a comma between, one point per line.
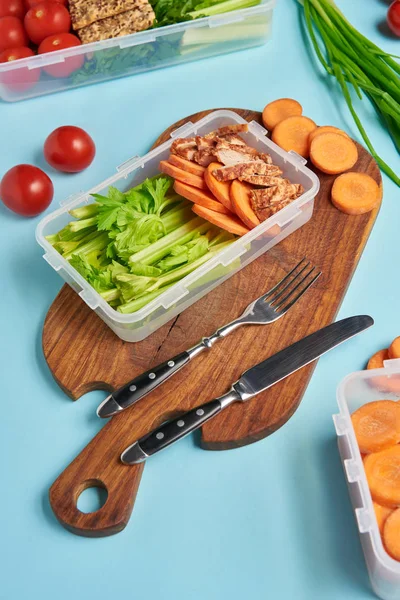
x=174, y=219
x=97, y=243
x=159, y=249
x=110, y=295
x=85, y=212
x=223, y=7
x=134, y=305
x=52, y=238
x=76, y=226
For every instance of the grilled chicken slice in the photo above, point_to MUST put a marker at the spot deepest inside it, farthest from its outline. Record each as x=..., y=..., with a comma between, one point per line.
x=244, y=170
x=267, y=202
x=184, y=147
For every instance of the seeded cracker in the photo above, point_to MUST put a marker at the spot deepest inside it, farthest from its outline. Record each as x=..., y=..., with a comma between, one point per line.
x=125, y=23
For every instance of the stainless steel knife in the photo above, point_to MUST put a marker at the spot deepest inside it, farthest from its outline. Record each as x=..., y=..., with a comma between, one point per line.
x=252, y=382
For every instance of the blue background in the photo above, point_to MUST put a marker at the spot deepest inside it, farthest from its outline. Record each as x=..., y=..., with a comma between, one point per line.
x=271, y=520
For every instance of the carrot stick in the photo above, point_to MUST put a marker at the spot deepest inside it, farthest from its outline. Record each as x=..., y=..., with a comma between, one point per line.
x=326, y=129
x=230, y=222
x=377, y=425
x=281, y=109
x=220, y=189
x=181, y=175
x=240, y=196
x=293, y=134
x=333, y=153
x=186, y=165
x=199, y=197
x=394, y=348
x=391, y=534
x=381, y=513
x=355, y=193
x=382, y=470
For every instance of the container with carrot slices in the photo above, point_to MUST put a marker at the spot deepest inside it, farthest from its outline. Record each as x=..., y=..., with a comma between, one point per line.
x=368, y=430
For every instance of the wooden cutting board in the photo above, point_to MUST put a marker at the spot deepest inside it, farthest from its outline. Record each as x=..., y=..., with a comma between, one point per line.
x=84, y=354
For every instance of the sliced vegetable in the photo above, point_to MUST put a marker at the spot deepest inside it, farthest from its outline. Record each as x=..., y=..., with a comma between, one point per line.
x=240, y=196
x=230, y=222
x=382, y=471
x=355, y=193
x=377, y=425
x=181, y=175
x=381, y=513
x=326, y=129
x=391, y=534
x=293, y=134
x=376, y=361
x=199, y=197
x=186, y=165
x=281, y=109
x=220, y=189
x=394, y=348
x=333, y=153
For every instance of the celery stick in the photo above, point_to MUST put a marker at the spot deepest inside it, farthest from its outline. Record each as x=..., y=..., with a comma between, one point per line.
x=66, y=235
x=197, y=38
x=138, y=303
x=97, y=243
x=85, y=212
x=76, y=226
x=223, y=7
x=110, y=295
x=52, y=239
x=175, y=218
x=159, y=249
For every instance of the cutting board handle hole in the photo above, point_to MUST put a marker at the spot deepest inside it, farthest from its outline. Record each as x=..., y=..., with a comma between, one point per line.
x=91, y=495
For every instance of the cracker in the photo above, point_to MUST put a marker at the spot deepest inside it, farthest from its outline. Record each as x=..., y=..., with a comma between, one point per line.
x=86, y=12
x=125, y=23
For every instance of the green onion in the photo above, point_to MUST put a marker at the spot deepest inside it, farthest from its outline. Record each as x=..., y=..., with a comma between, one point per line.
x=355, y=61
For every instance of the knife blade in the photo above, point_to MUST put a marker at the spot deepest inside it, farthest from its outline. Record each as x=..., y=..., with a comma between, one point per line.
x=253, y=381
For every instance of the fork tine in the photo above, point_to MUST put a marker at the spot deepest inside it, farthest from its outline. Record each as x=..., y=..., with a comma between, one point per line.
x=290, y=283
x=299, y=295
x=272, y=290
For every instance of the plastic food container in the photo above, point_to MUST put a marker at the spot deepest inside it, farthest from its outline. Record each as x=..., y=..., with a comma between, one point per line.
x=136, y=326
x=354, y=391
x=136, y=53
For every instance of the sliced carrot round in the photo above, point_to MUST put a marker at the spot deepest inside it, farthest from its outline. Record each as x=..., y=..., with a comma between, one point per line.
x=394, y=348
x=230, y=222
x=355, y=193
x=326, y=129
x=391, y=534
x=240, y=196
x=376, y=361
x=377, y=425
x=383, y=475
x=281, y=109
x=220, y=189
x=333, y=153
x=186, y=165
x=381, y=513
x=293, y=134
x=199, y=197
x=181, y=175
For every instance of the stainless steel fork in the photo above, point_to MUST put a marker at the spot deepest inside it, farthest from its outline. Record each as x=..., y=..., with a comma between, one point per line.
x=268, y=308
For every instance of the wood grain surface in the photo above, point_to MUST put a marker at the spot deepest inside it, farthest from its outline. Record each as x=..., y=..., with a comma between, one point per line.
x=84, y=354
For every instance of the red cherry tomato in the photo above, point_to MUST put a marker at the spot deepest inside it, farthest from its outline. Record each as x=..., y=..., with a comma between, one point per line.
x=12, y=8
x=46, y=18
x=69, y=149
x=393, y=17
x=26, y=190
x=21, y=79
x=31, y=3
x=12, y=33
x=61, y=41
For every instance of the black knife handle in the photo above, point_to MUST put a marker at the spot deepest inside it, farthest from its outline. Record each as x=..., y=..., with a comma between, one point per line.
x=170, y=432
x=148, y=381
